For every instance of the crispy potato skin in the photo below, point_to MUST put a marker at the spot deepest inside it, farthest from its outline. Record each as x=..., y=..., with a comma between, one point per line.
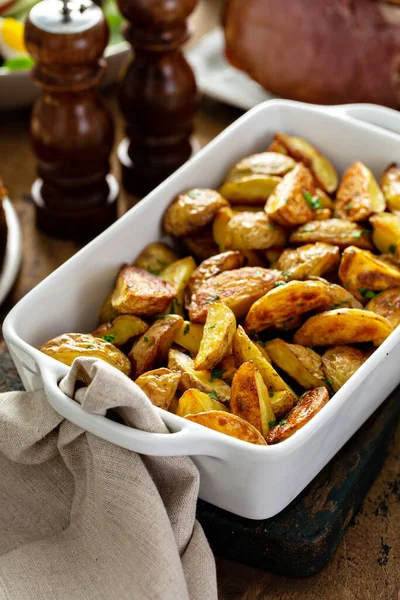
x=201, y=244
x=151, y=349
x=249, y=189
x=285, y=302
x=311, y=259
x=265, y=163
x=236, y=289
x=217, y=338
x=390, y=183
x=65, y=348
x=361, y=271
x=358, y=196
x=159, y=386
x=227, y=367
x=338, y=232
x=189, y=336
x=194, y=401
x=220, y=226
x=386, y=231
x=307, y=407
x=340, y=298
x=287, y=205
x=302, y=364
x=343, y=326
x=191, y=211
x=276, y=146
x=155, y=257
x=123, y=328
x=178, y=274
x=139, y=292
x=229, y=425
x=107, y=311
x=387, y=304
x=340, y=363
x=253, y=231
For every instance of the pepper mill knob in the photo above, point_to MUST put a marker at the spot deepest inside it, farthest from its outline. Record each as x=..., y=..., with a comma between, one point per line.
x=158, y=96
x=71, y=128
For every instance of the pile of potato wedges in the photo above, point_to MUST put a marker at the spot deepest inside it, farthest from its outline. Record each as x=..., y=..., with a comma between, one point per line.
x=290, y=278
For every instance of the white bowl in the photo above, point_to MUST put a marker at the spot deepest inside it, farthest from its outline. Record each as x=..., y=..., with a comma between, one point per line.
x=252, y=481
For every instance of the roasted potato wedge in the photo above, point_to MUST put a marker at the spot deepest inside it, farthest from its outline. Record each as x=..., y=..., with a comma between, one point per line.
x=191, y=211
x=340, y=363
x=265, y=163
x=301, y=364
x=65, y=348
x=194, y=401
x=245, y=350
x=107, y=311
x=340, y=298
x=227, y=261
x=276, y=146
x=220, y=227
x=151, y=349
x=178, y=274
x=390, y=182
x=159, y=386
x=386, y=231
x=249, y=189
x=189, y=336
x=200, y=380
x=236, y=289
x=359, y=196
x=272, y=255
x=362, y=273
x=122, y=329
x=281, y=403
x=387, y=304
x=286, y=302
x=343, y=326
x=253, y=231
x=228, y=424
x=338, y=232
x=155, y=257
x=309, y=260
x=217, y=338
x=307, y=407
x=293, y=200
x=250, y=399
x=325, y=201
x=139, y=292
x=201, y=244
x=322, y=169
x=322, y=214
x=226, y=369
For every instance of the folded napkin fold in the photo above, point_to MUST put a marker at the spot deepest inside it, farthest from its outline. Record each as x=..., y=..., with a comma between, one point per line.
x=81, y=518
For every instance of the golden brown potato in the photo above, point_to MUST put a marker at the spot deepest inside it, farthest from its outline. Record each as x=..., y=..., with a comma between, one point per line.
x=322, y=214
x=286, y=302
x=155, y=257
x=390, y=182
x=191, y=211
x=249, y=189
x=293, y=200
x=226, y=368
x=281, y=403
x=189, y=336
x=387, y=304
x=217, y=338
x=229, y=425
x=343, y=326
x=107, y=311
x=339, y=232
x=272, y=255
x=301, y=364
x=236, y=289
x=65, y=348
x=139, y=292
x=253, y=231
x=322, y=169
x=311, y=259
x=340, y=363
x=227, y=261
x=121, y=330
x=220, y=226
x=194, y=401
x=151, y=349
x=325, y=200
x=205, y=381
x=245, y=350
x=250, y=399
x=159, y=386
x=340, y=298
x=386, y=231
x=178, y=274
x=359, y=195
x=363, y=273
x=307, y=407
x=201, y=244
x=265, y=163
x=276, y=146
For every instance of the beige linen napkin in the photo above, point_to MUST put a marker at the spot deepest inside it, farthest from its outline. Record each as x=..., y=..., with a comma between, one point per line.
x=83, y=519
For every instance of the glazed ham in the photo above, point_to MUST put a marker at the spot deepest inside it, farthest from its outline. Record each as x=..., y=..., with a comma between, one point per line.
x=321, y=51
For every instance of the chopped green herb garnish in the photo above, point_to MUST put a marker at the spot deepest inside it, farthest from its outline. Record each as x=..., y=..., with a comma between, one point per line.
x=163, y=263
x=194, y=194
x=212, y=327
x=392, y=248
x=359, y=233
x=271, y=393
x=153, y=271
x=213, y=395
x=328, y=382
x=368, y=293
x=285, y=326
x=108, y=338
x=389, y=303
x=300, y=304
x=91, y=347
x=339, y=304
x=279, y=283
x=162, y=316
x=216, y=374
x=310, y=347
x=187, y=329
x=272, y=227
x=308, y=228
x=348, y=206
x=282, y=422
x=212, y=298
x=146, y=339
x=272, y=423
x=313, y=201
x=259, y=272
x=286, y=274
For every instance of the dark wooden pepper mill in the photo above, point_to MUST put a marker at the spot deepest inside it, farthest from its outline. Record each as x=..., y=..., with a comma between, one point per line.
x=158, y=96
x=71, y=128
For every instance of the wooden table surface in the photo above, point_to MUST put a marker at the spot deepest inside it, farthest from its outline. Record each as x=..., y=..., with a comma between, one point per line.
x=367, y=563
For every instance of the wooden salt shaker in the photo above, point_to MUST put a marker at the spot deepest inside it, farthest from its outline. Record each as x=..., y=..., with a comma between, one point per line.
x=71, y=128
x=158, y=95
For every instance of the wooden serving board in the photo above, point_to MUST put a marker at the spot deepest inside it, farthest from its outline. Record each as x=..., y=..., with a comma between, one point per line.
x=302, y=538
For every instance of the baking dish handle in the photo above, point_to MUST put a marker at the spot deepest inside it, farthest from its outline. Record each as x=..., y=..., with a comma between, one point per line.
x=379, y=116
x=190, y=440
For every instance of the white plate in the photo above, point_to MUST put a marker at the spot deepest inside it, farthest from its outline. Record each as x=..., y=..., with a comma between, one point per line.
x=13, y=255
x=217, y=79
x=17, y=89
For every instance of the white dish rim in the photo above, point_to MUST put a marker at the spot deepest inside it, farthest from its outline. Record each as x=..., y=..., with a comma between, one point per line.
x=13, y=255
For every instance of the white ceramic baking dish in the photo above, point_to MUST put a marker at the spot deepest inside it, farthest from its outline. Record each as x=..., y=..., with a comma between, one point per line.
x=252, y=481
